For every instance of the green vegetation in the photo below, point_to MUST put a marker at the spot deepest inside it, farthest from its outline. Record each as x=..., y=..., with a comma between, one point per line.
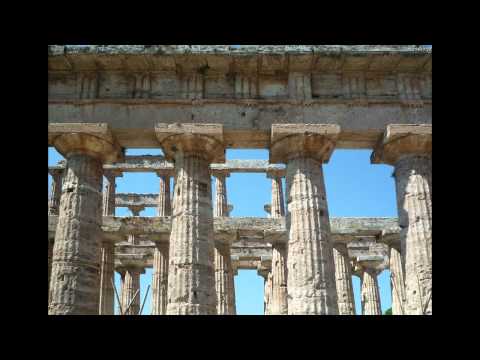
x=388, y=312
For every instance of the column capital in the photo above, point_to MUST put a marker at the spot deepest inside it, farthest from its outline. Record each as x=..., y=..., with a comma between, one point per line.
x=95, y=140
x=165, y=173
x=289, y=141
x=274, y=173
x=220, y=173
x=205, y=140
x=55, y=172
x=370, y=263
x=391, y=237
x=135, y=209
x=112, y=173
x=403, y=140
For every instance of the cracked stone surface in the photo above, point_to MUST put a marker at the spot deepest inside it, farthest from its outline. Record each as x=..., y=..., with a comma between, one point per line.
x=343, y=274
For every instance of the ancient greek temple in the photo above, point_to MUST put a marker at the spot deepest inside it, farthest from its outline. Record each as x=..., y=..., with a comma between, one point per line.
x=193, y=102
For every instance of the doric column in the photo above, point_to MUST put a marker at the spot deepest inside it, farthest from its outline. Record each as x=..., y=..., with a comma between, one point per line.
x=370, y=293
x=160, y=279
x=131, y=284
x=109, y=192
x=223, y=261
x=224, y=279
x=279, y=300
x=311, y=270
x=164, y=205
x=56, y=190
x=277, y=208
x=75, y=281
x=267, y=293
x=191, y=279
x=107, y=263
x=397, y=281
x=409, y=149
x=343, y=275
x=221, y=206
x=50, y=255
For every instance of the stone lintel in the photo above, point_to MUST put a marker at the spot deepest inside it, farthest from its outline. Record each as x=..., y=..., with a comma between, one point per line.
x=403, y=140
x=218, y=173
x=201, y=139
x=95, y=140
x=312, y=140
x=372, y=262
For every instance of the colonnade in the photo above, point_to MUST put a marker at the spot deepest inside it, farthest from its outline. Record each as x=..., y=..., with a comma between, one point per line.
x=193, y=273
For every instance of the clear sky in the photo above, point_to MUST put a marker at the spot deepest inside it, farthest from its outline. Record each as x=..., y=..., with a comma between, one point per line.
x=354, y=188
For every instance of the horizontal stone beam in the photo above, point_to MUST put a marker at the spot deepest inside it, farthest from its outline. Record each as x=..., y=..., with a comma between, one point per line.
x=246, y=124
x=155, y=163
x=232, y=229
x=141, y=200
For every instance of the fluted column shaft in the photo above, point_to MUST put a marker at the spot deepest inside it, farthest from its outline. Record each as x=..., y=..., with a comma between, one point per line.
x=279, y=299
x=160, y=279
x=50, y=255
x=131, y=284
x=277, y=208
x=268, y=294
x=413, y=177
x=75, y=267
x=224, y=280
x=397, y=283
x=55, y=192
x=109, y=195
x=370, y=293
x=343, y=275
x=107, y=262
x=221, y=206
x=164, y=205
x=311, y=270
x=191, y=280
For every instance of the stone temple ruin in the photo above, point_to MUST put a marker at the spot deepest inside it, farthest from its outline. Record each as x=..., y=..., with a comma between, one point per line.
x=194, y=102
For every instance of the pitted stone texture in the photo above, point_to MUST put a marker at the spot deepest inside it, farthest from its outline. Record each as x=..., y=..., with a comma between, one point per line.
x=370, y=293
x=397, y=282
x=164, y=205
x=131, y=284
x=75, y=281
x=413, y=176
x=50, y=255
x=56, y=191
x=224, y=280
x=109, y=197
x=343, y=274
x=107, y=263
x=279, y=299
x=221, y=206
x=311, y=270
x=160, y=279
x=277, y=208
x=191, y=280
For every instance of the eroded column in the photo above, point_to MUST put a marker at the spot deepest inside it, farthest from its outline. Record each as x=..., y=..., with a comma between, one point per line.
x=279, y=299
x=56, y=190
x=106, y=306
x=397, y=282
x=343, y=275
x=311, y=270
x=160, y=279
x=267, y=292
x=224, y=280
x=409, y=149
x=370, y=293
x=75, y=280
x=191, y=280
x=109, y=192
x=131, y=290
x=164, y=205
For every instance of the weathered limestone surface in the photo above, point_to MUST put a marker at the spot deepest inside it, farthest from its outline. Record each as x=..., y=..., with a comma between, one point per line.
x=191, y=280
x=246, y=90
x=56, y=190
x=311, y=270
x=409, y=149
x=279, y=299
x=343, y=274
x=370, y=293
x=50, y=255
x=397, y=282
x=107, y=264
x=160, y=279
x=109, y=196
x=131, y=285
x=164, y=204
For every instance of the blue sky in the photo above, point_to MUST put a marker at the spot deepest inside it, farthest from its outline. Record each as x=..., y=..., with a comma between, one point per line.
x=354, y=188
